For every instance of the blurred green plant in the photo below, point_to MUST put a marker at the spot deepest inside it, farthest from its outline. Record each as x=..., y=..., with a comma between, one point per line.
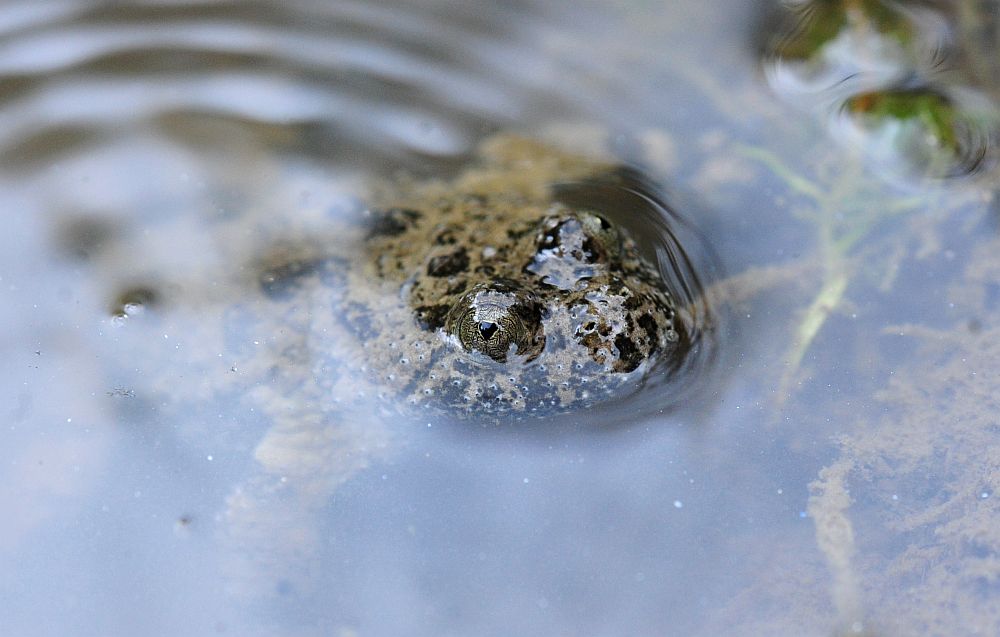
x=822, y=21
x=921, y=131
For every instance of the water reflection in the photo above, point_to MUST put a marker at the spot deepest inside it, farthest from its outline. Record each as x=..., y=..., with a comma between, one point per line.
x=214, y=464
x=921, y=132
x=199, y=166
x=831, y=46
x=881, y=68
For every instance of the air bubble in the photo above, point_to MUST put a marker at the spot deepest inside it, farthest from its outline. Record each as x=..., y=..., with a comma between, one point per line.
x=132, y=302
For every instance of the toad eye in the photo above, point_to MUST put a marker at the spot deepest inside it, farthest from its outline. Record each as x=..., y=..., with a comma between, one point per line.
x=493, y=336
x=493, y=319
x=487, y=330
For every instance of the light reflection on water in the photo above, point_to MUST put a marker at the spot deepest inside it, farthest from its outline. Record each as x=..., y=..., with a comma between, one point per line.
x=160, y=473
x=896, y=80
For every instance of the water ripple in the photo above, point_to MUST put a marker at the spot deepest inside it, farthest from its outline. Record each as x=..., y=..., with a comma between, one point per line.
x=417, y=78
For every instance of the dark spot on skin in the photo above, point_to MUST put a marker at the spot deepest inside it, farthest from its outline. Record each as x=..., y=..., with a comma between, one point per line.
x=550, y=240
x=532, y=312
x=648, y=323
x=448, y=264
x=518, y=232
x=446, y=237
x=504, y=285
x=458, y=287
x=431, y=317
x=393, y=222
x=628, y=353
x=632, y=302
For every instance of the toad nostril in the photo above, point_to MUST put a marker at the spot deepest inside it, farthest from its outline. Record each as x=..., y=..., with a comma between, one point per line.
x=487, y=330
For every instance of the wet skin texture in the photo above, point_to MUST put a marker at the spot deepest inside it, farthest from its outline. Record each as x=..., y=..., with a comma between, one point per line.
x=492, y=275
x=512, y=288
x=486, y=294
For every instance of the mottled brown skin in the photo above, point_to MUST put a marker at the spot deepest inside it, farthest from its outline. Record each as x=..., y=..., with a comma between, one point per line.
x=484, y=294
x=478, y=298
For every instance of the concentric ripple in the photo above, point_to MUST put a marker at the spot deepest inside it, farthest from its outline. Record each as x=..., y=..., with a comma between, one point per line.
x=171, y=147
x=185, y=181
x=373, y=75
x=684, y=260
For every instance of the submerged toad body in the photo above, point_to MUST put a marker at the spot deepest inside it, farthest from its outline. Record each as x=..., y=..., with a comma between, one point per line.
x=492, y=296
x=487, y=293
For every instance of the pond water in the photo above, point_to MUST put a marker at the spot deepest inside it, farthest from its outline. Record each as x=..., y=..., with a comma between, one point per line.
x=190, y=447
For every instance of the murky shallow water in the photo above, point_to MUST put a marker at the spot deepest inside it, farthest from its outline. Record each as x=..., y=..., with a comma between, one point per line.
x=166, y=472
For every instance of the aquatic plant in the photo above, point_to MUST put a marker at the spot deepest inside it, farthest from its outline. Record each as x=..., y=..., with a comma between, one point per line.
x=824, y=44
x=844, y=202
x=920, y=131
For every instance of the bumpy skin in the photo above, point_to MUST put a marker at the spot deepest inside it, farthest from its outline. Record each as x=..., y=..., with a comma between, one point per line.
x=484, y=294
x=477, y=298
x=480, y=298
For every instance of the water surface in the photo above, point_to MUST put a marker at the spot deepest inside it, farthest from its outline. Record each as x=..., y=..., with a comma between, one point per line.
x=834, y=474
